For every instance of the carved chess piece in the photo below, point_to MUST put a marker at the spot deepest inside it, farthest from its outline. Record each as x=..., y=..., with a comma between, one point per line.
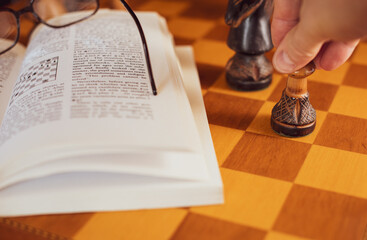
x=293, y=115
x=250, y=38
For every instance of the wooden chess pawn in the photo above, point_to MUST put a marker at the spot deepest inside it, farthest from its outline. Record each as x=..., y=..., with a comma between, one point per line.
x=293, y=115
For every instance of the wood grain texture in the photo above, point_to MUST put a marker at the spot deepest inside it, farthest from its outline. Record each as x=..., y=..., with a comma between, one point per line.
x=61, y=226
x=221, y=86
x=196, y=226
x=11, y=229
x=336, y=78
x=335, y=170
x=343, y=132
x=212, y=52
x=230, y=111
x=360, y=55
x=356, y=76
x=250, y=199
x=225, y=139
x=219, y=33
x=280, y=158
x=132, y=225
x=189, y=28
x=318, y=214
x=168, y=9
x=207, y=9
x=278, y=90
x=273, y=235
x=208, y=74
x=321, y=94
x=350, y=101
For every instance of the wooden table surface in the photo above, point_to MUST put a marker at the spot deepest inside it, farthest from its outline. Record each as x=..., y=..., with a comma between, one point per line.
x=275, y=188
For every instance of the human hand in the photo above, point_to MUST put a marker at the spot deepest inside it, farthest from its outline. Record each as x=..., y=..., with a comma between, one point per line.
x=326, y=31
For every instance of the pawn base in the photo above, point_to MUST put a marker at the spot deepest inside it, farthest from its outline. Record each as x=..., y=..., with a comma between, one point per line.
x=288, y=130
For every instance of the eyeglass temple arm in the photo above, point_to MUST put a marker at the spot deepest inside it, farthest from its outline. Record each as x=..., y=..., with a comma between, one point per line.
x=147, y=59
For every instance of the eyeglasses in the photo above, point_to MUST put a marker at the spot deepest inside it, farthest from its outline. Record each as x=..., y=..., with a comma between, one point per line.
x=10, y=29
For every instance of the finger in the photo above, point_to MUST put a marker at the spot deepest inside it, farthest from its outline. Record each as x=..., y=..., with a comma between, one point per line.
x=285, y=17
x=334, y=54
x=279, y=28
x=319, y=55
x=299, y=47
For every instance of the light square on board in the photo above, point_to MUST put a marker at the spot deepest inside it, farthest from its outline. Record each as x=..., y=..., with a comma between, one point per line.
x=230, y=111
x=221, y=86
x=332, y=77
x=360, y=54
x=166, y=8
x=250, y=199
x=196, y=226
x=261, y=124
x=335, y=170
x=212, y=52
x=224, y=140
x=189, y=28
x=317, y=214
x=272, y=235
x=350, y=101
x=143, y=224
x=343, y=132
x=268, y=156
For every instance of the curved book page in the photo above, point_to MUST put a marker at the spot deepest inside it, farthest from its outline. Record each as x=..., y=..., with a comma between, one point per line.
x=83, y=98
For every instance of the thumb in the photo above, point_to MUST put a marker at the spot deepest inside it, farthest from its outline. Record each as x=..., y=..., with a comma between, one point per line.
x=299, y=47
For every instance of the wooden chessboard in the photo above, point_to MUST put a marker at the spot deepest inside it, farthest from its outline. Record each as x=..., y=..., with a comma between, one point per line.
x=276, y=188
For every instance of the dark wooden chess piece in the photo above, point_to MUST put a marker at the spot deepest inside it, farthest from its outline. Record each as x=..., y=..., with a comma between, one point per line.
x=250, y=38
x=293, y=115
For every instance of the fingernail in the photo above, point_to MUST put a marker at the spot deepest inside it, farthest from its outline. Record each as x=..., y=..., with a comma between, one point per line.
x=283, y=63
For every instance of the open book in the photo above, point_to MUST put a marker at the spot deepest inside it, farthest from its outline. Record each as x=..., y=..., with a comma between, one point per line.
x=81, y=130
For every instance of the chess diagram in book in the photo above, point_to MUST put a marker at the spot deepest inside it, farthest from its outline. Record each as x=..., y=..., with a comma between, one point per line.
x=40, y=73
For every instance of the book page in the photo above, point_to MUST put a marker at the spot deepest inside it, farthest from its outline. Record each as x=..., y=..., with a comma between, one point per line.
x=10, y=63
x=84, y=99
x=112, y=191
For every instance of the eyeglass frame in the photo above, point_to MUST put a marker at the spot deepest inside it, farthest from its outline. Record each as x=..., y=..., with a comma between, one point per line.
x=30, y=9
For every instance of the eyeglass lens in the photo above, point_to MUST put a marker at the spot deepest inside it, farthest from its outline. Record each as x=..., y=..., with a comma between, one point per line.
x=8, y=30
x=49, y=10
